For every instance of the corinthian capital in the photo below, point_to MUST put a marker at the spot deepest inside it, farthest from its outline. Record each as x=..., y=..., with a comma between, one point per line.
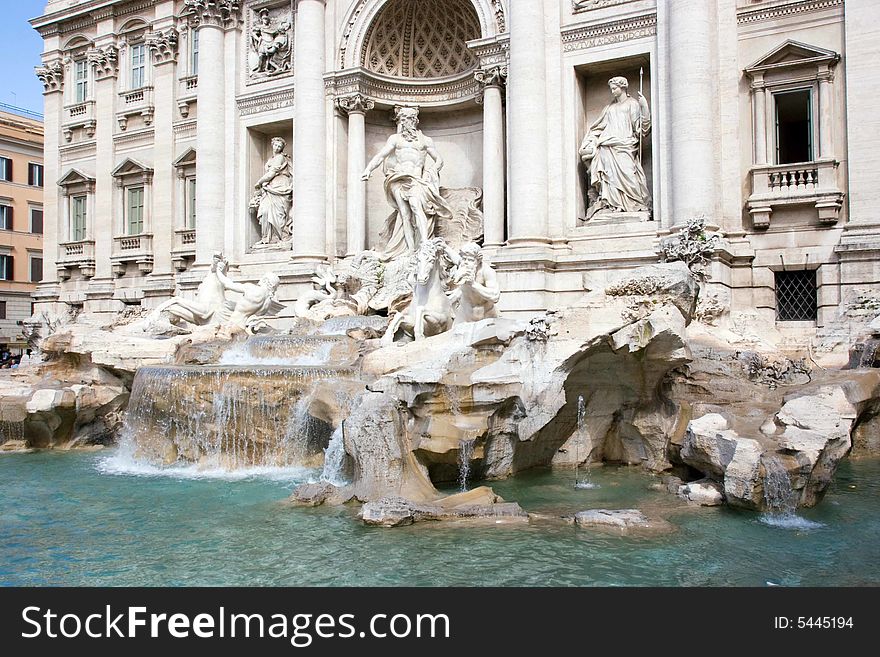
x=51, y=74
x=220, y=13
x=495, y=76
x=105, y=61
x=354, y=104
x=162, y=45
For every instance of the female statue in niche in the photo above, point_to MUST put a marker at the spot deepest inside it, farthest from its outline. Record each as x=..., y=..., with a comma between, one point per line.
x=274, y=196
x=611, y=150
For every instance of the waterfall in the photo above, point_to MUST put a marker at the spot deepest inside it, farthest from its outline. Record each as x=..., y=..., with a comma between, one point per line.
x=334, y=459
x=226, y=417
x=11, y=431
x=287, y=350
x=579, y=482
x=465, y=455
x=780, y=499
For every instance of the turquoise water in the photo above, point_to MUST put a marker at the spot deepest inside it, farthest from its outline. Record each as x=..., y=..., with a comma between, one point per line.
x=76, y=519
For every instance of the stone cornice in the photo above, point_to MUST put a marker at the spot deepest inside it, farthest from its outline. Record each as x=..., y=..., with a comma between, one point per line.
x=434, y=92
x=492, y=51
x=784, y=10
x=354, y=104
x=265, y=102
x=51, y=74
x=88, y=13
x=163, y=46
x=582, y=37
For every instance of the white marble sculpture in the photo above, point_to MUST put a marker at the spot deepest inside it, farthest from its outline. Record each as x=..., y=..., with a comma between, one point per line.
x=204, y=309
x=272, y=201
x=257, y=301
x=270, y=45
x=211, y=305
x=412, y=187
x=611, y=150
x=476, y=290
x=430, y=310
x=345, y=289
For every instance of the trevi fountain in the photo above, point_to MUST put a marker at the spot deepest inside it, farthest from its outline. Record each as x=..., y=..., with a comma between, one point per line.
x=396, y=421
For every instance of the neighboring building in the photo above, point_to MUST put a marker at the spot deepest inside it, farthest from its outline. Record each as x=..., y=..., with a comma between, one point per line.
x=753, y=128
x=21, y=222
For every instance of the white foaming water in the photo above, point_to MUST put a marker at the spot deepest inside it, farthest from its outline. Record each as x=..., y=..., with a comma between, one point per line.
x=789, y=521
x=240, y=354
x=334, y=460
x=121, y=464
x=781, y=499
x=465, y=454
x=586, y=485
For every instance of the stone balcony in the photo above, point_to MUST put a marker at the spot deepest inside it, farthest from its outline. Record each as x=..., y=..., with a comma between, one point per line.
x=184, y=247
x=132, y=248
x=79, y=254
x=186, y=93
x=137, y=102
x=79, y=115
x=806, y=183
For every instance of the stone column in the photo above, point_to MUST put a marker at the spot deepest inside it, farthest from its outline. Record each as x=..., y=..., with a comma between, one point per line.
x=694, y=179
x=826, y=113
x=527, y=125
x=493, y=154
x=211, y=19
x=356, y=106
x=759, y=94
x=862, y=117
x=105, y=223
x=51, y=75
x=163, y=48
x=309, y=140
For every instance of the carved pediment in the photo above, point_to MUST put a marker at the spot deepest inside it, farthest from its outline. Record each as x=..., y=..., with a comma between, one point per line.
x=75, y=177
x=791, y=54
x=186, y=159
x=131, y=172
x=131, y=167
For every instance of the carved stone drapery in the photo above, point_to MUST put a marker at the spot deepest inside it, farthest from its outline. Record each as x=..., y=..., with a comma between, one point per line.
x=105, y=61
x=51, y=74
x=163, y=46
x=219, y=13
x=355, y=103
x=586, y=5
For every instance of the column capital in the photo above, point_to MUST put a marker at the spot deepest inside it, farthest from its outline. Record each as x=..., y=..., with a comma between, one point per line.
x=105, y=61
x=214, y=13
x=354, y=104
x=51, y=74
x=494, y=76
x=163, y=46
x=826, y=75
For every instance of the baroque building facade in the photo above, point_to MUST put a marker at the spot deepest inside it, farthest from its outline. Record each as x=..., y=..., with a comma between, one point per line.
x=21, y=222
x=163, y=120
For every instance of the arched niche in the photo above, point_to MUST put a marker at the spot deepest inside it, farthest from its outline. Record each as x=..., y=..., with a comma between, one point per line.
x=362, y=14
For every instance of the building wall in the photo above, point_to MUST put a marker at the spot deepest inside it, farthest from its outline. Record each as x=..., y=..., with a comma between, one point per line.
x=21, y=141
x=699, y=66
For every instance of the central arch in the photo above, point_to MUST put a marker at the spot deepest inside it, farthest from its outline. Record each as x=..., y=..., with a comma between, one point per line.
x=360, y=20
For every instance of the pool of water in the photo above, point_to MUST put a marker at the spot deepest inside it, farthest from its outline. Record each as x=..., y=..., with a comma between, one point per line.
x=79, y=519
